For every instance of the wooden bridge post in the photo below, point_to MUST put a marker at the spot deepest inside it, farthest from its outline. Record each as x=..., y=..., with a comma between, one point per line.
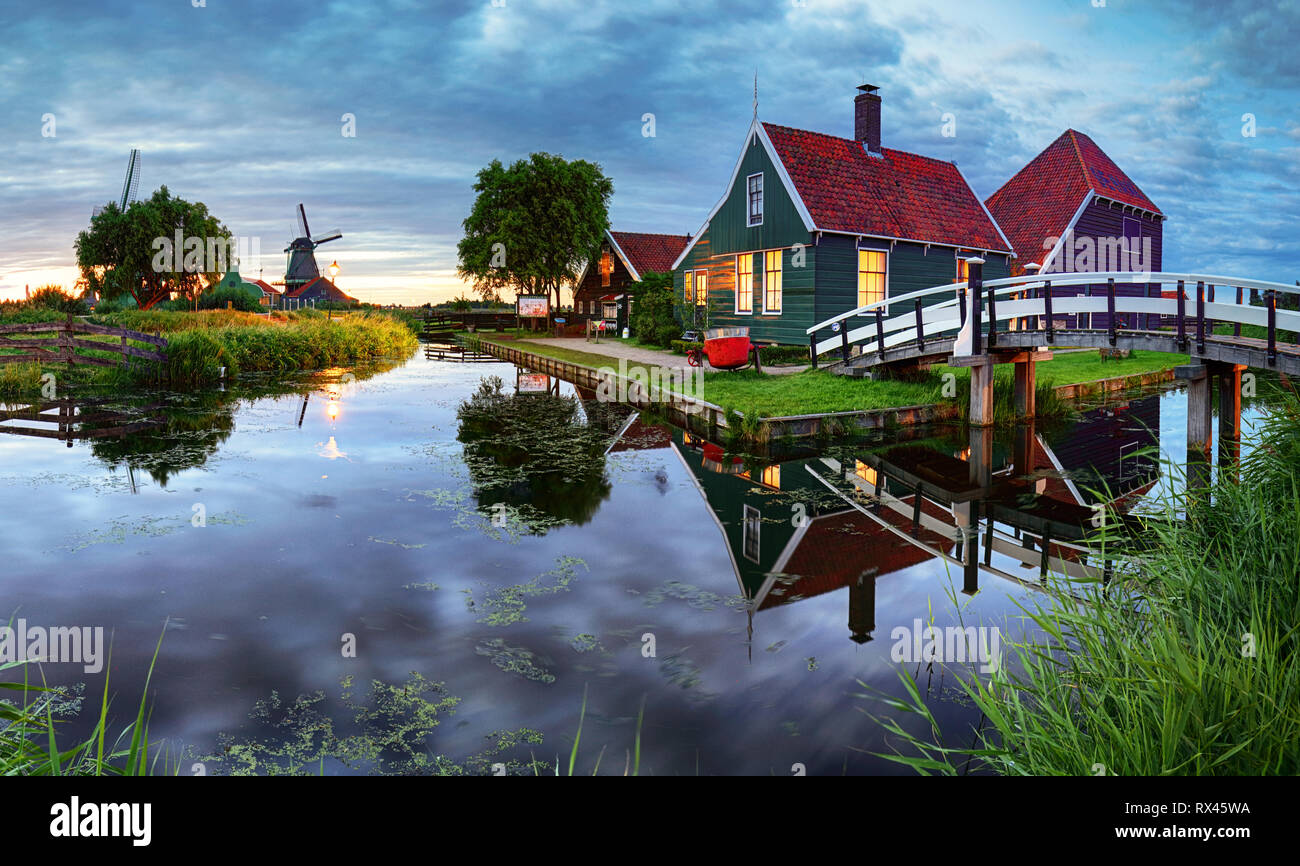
x=812, y=348
x=1025, y=383
x=975, y=279
x=1199, y=418
x=981, y=392
x=1229, y=376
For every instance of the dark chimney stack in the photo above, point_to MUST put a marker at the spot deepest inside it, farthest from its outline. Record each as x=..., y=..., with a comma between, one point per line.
x=866, y=118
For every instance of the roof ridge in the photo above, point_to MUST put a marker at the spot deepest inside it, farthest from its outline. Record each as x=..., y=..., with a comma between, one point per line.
x=1083, y=163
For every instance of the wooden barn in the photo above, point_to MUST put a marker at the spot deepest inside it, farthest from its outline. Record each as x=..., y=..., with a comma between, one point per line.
x=1072, y=209
x=318, y=291
x=811, y=225
x=623, y=259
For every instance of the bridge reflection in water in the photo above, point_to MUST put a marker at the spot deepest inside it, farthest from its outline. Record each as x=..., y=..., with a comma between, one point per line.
x=1016, y=506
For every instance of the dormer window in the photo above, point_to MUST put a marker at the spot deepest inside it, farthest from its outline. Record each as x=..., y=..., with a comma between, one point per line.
x=754, y=188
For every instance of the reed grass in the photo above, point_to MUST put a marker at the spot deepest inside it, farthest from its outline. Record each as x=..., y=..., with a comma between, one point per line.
x=1188, y=666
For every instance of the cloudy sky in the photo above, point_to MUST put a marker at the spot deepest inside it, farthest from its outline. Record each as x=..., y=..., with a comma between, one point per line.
x=238, y=103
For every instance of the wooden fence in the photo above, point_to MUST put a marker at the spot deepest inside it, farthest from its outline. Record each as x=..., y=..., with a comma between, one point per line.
x=63, y=345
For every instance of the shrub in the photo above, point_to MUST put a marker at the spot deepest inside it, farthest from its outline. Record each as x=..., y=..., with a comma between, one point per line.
x=653, y=319
x=238, y=298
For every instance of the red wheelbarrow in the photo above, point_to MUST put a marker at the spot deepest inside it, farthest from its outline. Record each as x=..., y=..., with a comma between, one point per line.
x=726, y=349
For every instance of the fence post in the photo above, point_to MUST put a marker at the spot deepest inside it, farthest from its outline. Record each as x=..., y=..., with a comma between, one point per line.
x=812, y=348
x=1270, y=301
x=1182, y=316
x=920, y=329
x=1200, y=317
x=1110, y=309
x=844, y=340
x=975, y=279
x=1047, y=308
x=880, y=332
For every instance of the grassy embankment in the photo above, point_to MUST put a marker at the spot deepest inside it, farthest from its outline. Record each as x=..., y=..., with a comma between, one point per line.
x=818, y=391
x=200, y=344
x=1191, y=666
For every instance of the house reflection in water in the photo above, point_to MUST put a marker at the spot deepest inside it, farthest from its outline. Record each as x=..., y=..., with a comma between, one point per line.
x=1016, y=505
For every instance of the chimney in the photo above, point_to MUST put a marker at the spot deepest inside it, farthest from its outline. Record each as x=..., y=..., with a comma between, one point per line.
x=866, y=118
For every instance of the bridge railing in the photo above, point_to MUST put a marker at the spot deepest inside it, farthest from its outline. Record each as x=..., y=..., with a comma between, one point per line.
x=1032, y=303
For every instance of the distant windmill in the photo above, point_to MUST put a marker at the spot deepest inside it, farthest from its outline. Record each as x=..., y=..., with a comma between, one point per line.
x=130, y=186
x=301, y=266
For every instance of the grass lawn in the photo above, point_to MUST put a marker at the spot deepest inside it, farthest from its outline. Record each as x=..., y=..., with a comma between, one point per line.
x=816, y=391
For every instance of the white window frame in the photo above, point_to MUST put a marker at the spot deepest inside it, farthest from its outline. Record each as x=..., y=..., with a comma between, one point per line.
x=738, y=310
x=756, y=535
x=749, y=204
x=885, y=252
x=701, y=275
x=781, y=260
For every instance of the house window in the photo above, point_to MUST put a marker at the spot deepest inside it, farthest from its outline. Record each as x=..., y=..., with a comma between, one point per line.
x=754, y=188
x=745, y=283
x=701, y=288
x=772, y=282
x=871, y=276
x=688, y=287
x=963, y=273
x=750, y=532
x=606, y=267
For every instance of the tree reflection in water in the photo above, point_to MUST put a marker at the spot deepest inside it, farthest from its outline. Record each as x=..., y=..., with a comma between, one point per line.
x=541, y=456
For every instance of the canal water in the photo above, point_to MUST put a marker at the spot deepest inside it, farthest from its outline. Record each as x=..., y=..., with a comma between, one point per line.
x=325, y=554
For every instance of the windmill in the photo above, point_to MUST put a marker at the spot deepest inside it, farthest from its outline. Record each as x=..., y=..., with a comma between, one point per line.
x=130, y=186
x=301, y=268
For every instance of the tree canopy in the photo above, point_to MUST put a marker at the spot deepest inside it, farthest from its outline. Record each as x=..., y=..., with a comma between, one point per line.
x=132, y=252
x=533, y=225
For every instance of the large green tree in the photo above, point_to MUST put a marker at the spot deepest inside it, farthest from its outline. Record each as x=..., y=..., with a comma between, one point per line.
x=134, y=252
x=533, y=225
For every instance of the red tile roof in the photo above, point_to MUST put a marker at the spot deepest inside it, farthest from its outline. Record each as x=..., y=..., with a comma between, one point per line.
x=266, y=287
x=1041, y=199
x=898, y=195
x=332, y=292
x=650, y=252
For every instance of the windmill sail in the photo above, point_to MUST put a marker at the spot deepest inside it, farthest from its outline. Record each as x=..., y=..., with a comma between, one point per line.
x=132, y=183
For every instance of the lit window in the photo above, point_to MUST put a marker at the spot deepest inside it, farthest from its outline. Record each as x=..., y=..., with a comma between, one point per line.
x=606, y=267
x=772, y=282
x=752, y=526
x=865, y=472
x=871, y=276
x=961, y=270
x=755, y=197
x=701, y=288
x=688, y=287
x=772, y=476
x=745, y=283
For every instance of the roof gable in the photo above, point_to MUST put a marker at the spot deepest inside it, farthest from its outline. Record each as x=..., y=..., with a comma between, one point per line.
x=643, y=252
x=896, y=195
x=1044, y=198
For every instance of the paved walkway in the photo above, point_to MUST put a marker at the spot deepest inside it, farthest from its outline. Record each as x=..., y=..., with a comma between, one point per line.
x=616, y=348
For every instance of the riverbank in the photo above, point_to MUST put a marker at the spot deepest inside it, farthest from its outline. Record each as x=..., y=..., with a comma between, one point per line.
x=797, y=401
x=205, y=347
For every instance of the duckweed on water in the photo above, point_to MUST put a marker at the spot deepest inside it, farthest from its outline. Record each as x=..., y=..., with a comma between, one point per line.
x=506, y=606
x=515, y=660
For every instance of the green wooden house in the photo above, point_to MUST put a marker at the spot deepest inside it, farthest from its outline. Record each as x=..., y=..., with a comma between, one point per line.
x=813, y=225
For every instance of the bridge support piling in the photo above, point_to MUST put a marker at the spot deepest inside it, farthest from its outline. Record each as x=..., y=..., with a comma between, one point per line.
x=1025, y=381
x=981, y=393
x=1229, y=376
x=1199, y=417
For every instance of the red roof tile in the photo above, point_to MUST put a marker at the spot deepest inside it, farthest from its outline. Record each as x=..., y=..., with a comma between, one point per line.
x=1038, y=203
x=650, y=252
x=266, y=287
x=897, y=195
x=333, y=292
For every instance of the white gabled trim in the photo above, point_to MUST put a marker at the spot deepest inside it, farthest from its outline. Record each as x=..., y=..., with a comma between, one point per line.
x=755, y=129
x=893, y=240
x=983, y=207
x=1083, y=205
x=627, y=263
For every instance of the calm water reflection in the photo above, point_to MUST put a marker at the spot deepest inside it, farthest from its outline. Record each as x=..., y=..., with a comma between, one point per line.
x=523, y=551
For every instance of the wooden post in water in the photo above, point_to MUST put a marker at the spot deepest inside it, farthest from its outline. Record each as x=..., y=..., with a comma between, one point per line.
x=1229, y=376
x=1199, y=417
